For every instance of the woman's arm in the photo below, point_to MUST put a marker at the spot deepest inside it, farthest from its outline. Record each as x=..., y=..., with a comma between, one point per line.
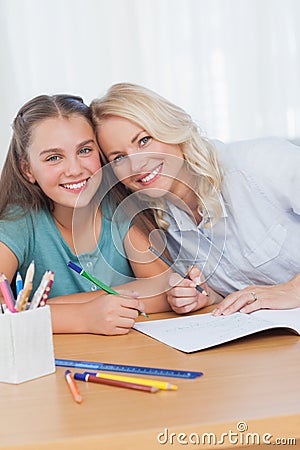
x=152, y=274
x=252, y=298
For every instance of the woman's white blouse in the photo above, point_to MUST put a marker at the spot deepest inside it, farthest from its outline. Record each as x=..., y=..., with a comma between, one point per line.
x=257, y=241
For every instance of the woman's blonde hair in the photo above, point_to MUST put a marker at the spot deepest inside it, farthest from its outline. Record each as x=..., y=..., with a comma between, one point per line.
x=170, y=124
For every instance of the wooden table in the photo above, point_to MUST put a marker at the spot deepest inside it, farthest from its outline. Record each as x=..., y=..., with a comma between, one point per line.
x=252, y=382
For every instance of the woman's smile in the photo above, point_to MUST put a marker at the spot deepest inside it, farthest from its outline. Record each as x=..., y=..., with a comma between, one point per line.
x=152, y=176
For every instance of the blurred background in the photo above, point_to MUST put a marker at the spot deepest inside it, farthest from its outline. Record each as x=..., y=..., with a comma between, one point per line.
x=233, y=64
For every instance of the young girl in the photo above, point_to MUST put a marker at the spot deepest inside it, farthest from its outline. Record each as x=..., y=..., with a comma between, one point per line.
x=50, y=213
x=232, y=210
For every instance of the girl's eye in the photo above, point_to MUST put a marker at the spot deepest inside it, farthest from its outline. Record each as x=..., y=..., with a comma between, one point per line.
x=53, y=158
x=144, y=141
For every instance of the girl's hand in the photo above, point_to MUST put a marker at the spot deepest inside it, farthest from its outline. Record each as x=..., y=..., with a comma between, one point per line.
x=252, y=298
x=183, y=297
x=112, y=314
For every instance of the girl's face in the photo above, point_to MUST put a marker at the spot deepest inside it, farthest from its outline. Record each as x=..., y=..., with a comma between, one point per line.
x=63, y=157
x=138, y=160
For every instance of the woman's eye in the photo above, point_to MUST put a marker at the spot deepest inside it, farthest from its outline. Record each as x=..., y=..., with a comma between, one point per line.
x=144, y=141
x=118, y=159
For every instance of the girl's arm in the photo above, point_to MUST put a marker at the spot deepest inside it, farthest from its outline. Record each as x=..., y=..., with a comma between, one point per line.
x=87, y=312
x=104, y=314
x=8, y=262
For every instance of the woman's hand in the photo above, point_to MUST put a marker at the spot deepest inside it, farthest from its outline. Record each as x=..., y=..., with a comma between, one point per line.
x=184, y=297
x=252, y=298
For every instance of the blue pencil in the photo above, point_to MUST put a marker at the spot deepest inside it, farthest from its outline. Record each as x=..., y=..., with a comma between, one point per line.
x=19, y=283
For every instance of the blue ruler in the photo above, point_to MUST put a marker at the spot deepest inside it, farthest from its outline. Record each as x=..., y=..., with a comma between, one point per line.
x=153, y=371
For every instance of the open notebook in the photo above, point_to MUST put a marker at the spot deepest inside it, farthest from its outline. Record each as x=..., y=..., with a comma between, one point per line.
x=198, y=332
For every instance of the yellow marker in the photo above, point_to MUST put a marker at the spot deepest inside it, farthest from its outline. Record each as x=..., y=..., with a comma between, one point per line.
x=145, y=382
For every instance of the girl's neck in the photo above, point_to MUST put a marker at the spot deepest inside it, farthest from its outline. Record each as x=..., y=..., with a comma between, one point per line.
x=80, y=228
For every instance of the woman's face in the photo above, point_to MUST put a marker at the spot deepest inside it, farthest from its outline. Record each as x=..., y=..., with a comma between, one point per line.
x=63, y=158
x=138, y=160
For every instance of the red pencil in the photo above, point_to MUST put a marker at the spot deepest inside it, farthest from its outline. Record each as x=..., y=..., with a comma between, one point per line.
x=46, y=293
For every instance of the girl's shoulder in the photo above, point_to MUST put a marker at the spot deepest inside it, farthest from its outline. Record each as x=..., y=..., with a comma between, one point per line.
x=17, y=218
x=18, y=213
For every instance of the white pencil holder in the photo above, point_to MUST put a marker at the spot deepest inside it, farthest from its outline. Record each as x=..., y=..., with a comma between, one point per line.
x=26, y=345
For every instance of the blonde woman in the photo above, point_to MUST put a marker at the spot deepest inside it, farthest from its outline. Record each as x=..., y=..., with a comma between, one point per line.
x=233, y=211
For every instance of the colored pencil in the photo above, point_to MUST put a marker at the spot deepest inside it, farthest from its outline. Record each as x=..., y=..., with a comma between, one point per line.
x=97, y=282
x=176, y=269
x=124, y=384
x=22, y=301
x=89, y=277
x=37, y=296
x=19, y=283
x=47, y=290
x=73, y=386
x=29, y=273
x=144, y=381
x=7, y=293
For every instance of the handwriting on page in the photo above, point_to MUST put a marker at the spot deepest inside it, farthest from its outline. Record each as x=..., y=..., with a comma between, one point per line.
x=202, y=331
x=225, y=326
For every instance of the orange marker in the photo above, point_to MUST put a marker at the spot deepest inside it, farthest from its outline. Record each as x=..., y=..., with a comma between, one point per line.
x=73, y=386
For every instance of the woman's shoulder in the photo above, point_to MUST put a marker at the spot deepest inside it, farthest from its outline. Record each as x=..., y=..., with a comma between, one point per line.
x=270, y=165
x=263, y=155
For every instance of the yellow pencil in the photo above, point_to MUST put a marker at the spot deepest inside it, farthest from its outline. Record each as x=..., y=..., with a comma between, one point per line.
x=29, y=273
x=145, y=382
x=24, y=295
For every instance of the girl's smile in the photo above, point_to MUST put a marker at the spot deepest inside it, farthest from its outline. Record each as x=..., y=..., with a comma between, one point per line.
x=75, y=187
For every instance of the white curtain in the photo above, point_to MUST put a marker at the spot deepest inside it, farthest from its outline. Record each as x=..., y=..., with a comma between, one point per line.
x=233, y=64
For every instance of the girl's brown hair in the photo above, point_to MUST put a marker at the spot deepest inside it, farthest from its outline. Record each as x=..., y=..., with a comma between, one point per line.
x=15, y=188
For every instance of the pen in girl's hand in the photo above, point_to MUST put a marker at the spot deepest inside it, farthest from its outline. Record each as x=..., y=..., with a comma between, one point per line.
x=97, y=282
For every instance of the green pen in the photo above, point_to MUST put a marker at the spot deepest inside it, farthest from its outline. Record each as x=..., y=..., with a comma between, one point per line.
x=97, y=282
